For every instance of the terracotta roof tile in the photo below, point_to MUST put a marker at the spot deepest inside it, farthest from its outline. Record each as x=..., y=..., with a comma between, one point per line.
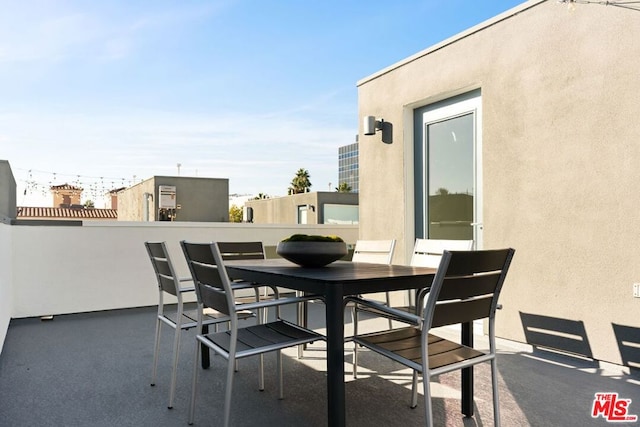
x=66, y=213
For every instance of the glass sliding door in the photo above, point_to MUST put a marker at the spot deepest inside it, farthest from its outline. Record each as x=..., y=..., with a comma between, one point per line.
x=448, y=175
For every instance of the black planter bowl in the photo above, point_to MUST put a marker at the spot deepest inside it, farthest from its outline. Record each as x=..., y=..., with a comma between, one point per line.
x=312, y=254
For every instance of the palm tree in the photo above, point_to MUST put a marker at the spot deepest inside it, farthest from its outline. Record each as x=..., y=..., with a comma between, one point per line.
x=261, y=196
x=343, y=188
x=300, y=183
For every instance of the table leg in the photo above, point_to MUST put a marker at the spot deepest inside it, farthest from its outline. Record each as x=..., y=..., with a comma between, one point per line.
x=335, y=357
x=467, y=373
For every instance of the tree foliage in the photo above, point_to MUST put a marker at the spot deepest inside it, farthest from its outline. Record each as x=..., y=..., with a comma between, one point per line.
x=235, y=214
x=301, y=182
x=343, y=188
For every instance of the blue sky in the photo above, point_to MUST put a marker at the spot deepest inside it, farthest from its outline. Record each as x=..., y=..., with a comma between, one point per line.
x=107, y=93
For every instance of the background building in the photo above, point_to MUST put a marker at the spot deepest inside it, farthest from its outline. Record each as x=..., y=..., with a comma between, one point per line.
x=66, y=195
x=348, y=168
x=320, y=207
x=7, y=193
x=67, y=208
x=175, y=198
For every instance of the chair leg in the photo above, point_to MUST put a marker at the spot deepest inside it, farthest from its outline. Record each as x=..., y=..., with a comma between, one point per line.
x=263, y=313
x=302, y=320
x=414, y=390
x=428, y=413
x=194, y=383
x=494, y=384
x=156, y=352
x=354, y=319
x=228, y=390
x=261, y=372
x=174, y=369
x=280, y=378
x=261, y=318
x=276, y=295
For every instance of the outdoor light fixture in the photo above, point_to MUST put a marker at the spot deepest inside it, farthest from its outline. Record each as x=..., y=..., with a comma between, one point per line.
x=371, y=125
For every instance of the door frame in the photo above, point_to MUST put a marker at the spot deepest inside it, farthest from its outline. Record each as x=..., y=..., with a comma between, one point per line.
x=470, y=102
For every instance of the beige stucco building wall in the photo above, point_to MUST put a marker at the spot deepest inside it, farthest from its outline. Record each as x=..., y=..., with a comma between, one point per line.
x=197, y=199
x=284, y=210
x=561, y=155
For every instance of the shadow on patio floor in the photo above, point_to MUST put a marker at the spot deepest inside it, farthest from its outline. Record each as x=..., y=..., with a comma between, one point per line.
x=94, y=369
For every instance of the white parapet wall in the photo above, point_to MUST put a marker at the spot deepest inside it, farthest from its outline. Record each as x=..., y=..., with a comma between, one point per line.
x=6, y=294
x=56, y=270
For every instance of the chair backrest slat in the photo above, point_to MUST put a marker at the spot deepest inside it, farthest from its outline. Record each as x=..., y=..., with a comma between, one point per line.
x=214, y=298
x=156, y=249
x=199, y=252
x=168, y=284
x=461, y=311
x=467, y=263
x=428, y=252
x=374, y=251
x=462, y=287
x=241, y=250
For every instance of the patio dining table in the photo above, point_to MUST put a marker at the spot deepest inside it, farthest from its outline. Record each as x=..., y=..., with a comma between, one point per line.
x=334, y=282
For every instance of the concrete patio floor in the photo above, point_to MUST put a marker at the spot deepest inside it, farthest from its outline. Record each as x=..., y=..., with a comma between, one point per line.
x=93, y=369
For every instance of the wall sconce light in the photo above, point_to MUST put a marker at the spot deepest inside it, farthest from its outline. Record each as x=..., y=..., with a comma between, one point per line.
x=371, y=125
x=311, y=208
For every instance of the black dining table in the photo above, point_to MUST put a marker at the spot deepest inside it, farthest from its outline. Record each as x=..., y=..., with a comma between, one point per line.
x=334, y=282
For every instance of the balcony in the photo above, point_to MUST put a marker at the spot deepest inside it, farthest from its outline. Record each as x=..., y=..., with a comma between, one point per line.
x=90, y=364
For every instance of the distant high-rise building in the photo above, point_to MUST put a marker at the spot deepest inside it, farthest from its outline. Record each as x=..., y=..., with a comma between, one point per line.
x=348, y=166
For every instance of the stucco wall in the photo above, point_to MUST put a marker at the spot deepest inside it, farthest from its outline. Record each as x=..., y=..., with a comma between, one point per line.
x=284, y=210
x=200, y=199
x=560, y=156
x=102, y=266
x=6, y=294
x=132, y=204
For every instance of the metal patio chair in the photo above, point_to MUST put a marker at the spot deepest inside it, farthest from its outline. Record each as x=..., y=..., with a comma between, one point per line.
x=214, y=290
x=426, y=253
x=231, y=251
x=466, y=287
x=169, y=283
x=374, y=252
